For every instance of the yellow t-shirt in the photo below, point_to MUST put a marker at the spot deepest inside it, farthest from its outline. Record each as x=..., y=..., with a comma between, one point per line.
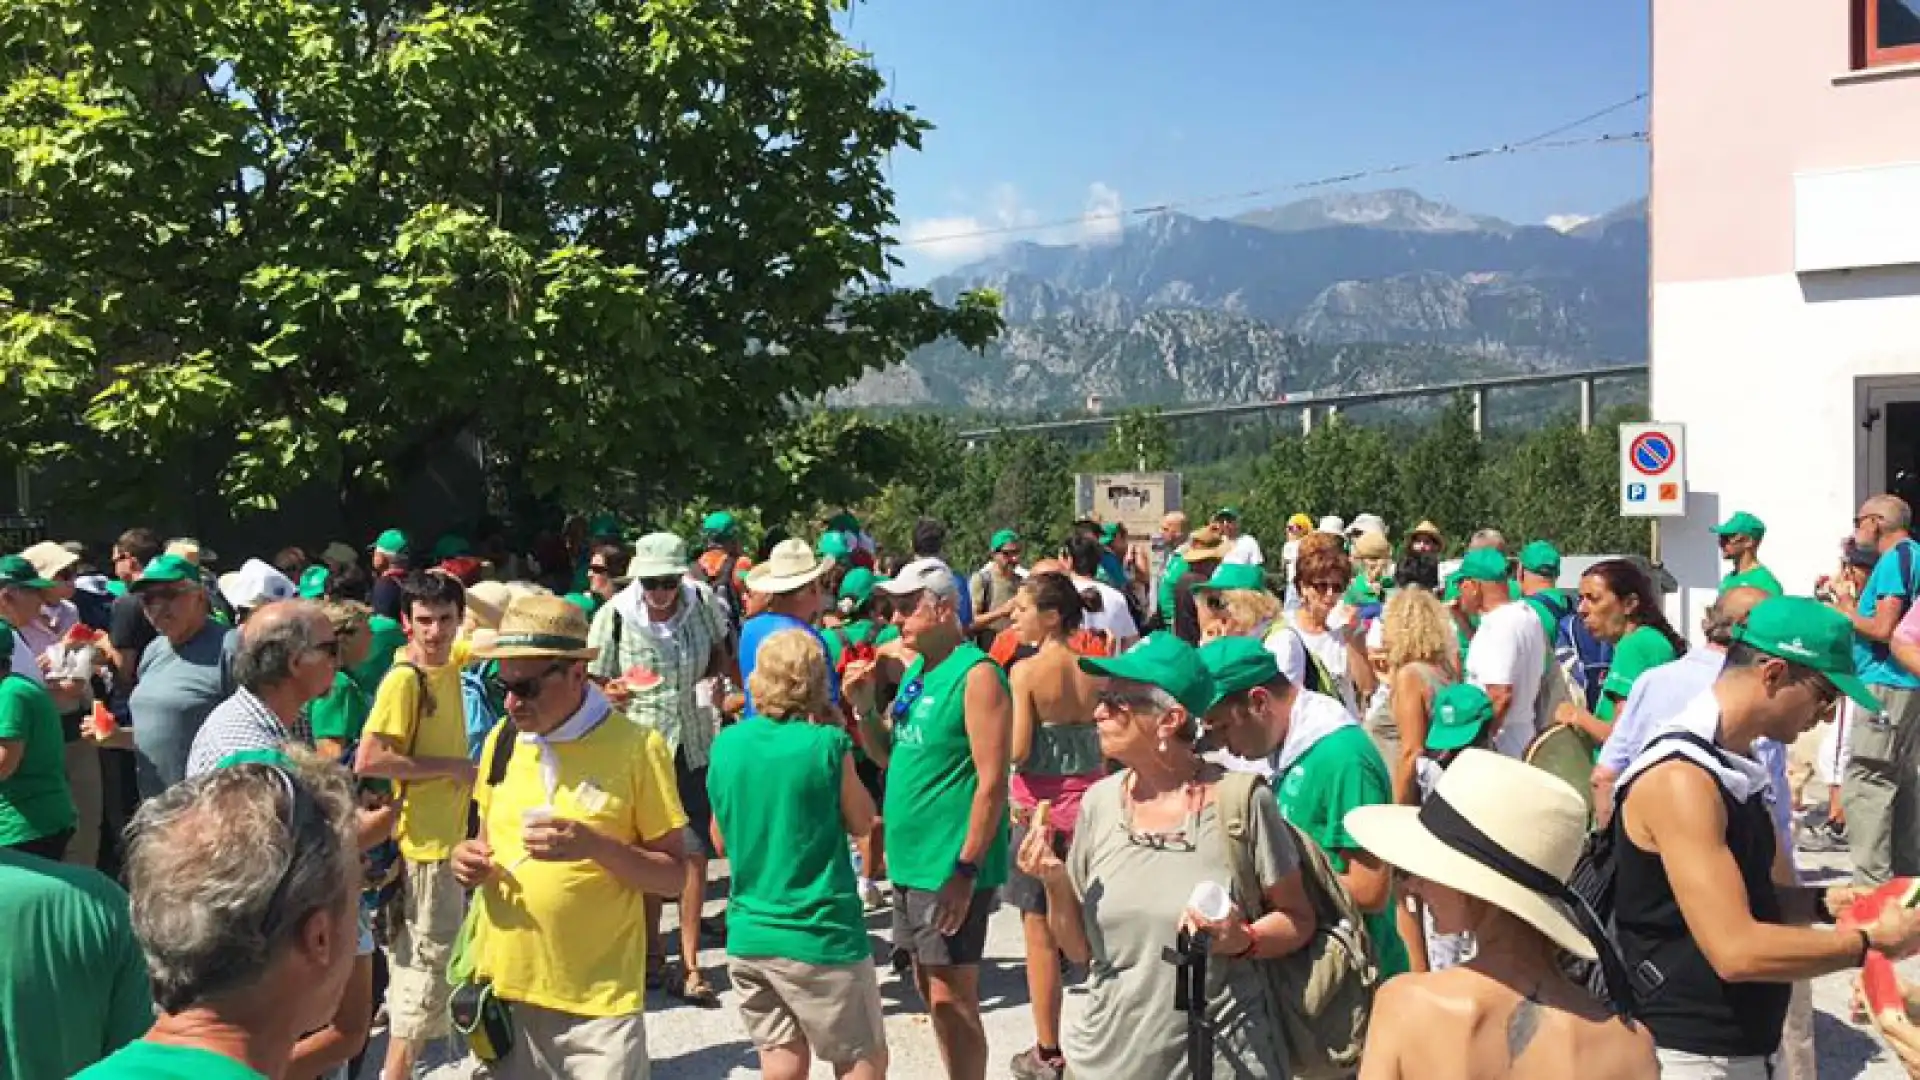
x=433, y=815
x=568, y=936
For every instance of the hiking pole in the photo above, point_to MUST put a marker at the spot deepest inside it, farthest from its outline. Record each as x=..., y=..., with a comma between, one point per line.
x=1190, y=997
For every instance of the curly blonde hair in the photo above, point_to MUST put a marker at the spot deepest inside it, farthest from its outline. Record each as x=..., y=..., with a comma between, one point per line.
x=789, y=680
x=1418, y=628
x=1239, y=612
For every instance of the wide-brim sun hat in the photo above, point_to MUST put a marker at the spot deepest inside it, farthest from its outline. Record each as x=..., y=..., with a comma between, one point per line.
x=1527, y=812
x=50, y=558
x=1207, y=543
x=657, y=555
x=487, y=602
x=539, y=627
x=256, y=584
x=792, y=565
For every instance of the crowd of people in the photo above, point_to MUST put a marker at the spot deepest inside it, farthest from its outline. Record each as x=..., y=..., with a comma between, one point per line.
x=1359, y=812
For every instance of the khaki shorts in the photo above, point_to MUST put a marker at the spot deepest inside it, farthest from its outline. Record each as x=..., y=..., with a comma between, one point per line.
x=834, y=1008
x=433, y=907
x=550, y=1045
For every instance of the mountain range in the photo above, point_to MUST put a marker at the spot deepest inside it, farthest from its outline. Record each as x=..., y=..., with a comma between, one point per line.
x=1341, y=291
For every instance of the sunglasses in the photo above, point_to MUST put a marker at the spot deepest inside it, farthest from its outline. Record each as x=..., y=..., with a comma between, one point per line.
x=161, y=597
x=531, y=688
x=597, y=568
x=1119, y=702
x=1010, y=553
x=659, y=584
x=330, y=647
x=1323, y=586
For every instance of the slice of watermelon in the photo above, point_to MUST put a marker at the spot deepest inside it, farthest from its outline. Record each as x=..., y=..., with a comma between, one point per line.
x=1904, y=892
x=1880, y=985
x=640, y=677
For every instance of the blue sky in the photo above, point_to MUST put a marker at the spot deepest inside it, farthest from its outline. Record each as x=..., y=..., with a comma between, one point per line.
x=1046, y=109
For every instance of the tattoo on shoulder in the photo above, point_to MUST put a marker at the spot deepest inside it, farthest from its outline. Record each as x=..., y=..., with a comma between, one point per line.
x=1522, y=1026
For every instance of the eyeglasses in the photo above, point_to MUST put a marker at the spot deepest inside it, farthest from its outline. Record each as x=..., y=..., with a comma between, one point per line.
x=329, y=647
x=1114, y=701
x=1008, y=553
x=597, y=568
x=161, y=597
x=659, y=584
x=531, y=688
x=1824, y=692
x=1863, y=518
x=1176, y=840
x=1323, y=586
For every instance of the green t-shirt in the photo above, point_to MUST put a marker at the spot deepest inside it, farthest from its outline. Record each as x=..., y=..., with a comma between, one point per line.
x=1363, y=591
x=775, y=786
x=35, y=801
x=855, y=632
x=1341, y=771
x=388, y=640
x=931, y=779
x=1642, y=650
x=1170, y=584
x=73, y=982
x=154, y=1061
x=342, y=712
x=1757, y=578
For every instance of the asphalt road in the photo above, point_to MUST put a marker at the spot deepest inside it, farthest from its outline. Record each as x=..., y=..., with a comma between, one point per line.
x=704, y=1044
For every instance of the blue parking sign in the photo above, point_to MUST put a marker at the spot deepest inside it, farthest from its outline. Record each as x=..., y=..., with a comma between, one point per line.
x=1636, y=493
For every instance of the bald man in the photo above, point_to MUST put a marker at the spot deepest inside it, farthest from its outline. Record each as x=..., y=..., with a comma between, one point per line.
x=1169, y=564
x=1881, y=791
x=288, y=656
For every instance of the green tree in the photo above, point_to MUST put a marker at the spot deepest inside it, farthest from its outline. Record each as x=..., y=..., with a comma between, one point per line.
x=1139, y=441
x=613, y=239
x=1440, y=474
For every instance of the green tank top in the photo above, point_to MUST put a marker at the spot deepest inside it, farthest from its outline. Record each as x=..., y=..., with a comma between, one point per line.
x=931, y=779
x=1063, y=750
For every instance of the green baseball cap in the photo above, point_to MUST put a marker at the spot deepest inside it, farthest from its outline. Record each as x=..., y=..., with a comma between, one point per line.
x=1164, y=661
x=166, y=570
x=451, y=546
x=834, y=545
x=313, y=582
x=272, y=758
x=1228, y=513
x=16, y=571
x=1460, y=713
x=1540, y=558
x=1002, y=539
x=1810, y=634
x=1229, y=577
x=1742, y=524
x=586, y=602
x=858, y=585
x=385, y=624
x=844, y=522
x=718, y=523
x=602, y=527
x=392, y=542
x=1109, y=532
x=1483, y=564
x=1237, y=664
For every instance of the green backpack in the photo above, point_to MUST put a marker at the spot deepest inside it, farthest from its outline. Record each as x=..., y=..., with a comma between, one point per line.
x=1323, y=993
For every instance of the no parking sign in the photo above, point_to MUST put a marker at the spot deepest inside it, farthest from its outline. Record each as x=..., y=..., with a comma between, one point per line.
x=1653, y=470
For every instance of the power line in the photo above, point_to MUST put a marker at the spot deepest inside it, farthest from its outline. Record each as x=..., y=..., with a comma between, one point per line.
x=1541, y=142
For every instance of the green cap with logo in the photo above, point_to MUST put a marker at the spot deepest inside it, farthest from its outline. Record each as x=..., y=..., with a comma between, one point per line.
x=1164, y=661
x=392, y=542
x=834, y=545
x=1237, y=664
x=1810, y=634
x=313, y=582
x=1460, y=713
x=1540, y=558
x=1234, y=577
x=858, y=585
x=166, y=570
x=17, y=572
x=1483, y=564
x=1742, y=524
x=1227, y=513
x=719, y=523
x=1002, y=539
x=1110, y=532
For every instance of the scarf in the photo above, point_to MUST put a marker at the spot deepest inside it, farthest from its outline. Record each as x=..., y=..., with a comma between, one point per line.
x=1741, y=776
x=593, y=709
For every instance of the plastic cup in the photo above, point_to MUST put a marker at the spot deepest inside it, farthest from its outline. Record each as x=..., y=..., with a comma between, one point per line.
x=537, y=815
x=1210, y=901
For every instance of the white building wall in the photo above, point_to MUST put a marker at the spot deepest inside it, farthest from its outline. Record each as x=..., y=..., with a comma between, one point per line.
x=1763, y=371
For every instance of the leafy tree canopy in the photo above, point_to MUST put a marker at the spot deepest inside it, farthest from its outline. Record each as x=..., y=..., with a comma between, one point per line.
x=616, y=240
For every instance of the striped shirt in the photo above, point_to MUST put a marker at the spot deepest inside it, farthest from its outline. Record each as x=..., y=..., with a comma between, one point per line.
x=678, y=650
x=242, y=722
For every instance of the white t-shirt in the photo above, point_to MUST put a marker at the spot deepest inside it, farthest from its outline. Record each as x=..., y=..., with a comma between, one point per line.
x=1330, y=646
x=25, y=663
x=1246, y=550
x=1510, y=649
x=1114, y=616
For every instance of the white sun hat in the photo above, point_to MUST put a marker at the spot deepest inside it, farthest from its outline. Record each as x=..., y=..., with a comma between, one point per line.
x=792, y=565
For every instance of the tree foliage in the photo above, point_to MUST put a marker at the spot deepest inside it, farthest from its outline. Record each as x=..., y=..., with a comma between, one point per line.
x=614, y=239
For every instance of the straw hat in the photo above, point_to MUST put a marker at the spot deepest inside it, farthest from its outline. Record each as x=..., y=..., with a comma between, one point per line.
x=1207, y=543
x=1372, y=545
x=1530, y=813
x=791, y=566
x=539, y=626
x=49, y=558
x=488, y=601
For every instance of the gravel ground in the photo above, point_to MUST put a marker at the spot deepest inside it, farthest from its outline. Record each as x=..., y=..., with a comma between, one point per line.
x=701, y=1044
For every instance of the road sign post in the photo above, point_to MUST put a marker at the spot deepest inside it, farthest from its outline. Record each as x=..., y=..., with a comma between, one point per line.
x=1653, y=470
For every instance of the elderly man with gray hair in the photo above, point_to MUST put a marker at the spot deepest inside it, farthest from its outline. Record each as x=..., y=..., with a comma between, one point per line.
x=245, y=886
x=288, y=656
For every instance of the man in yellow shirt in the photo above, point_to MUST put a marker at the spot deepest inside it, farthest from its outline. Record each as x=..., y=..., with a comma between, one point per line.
x=417, y=736
x=579, y=820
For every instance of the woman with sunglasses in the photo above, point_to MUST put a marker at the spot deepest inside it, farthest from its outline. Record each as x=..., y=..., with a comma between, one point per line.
x=672, y=627
x=1322, y=576
x=1145, y=838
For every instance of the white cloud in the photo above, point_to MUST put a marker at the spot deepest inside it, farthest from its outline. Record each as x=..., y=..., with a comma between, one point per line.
x=1566, y=223
x=1006, y=218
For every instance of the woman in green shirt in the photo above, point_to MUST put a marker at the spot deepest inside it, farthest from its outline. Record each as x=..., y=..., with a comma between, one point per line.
x=37, y=814
x=1621, y=606
x=785, y=799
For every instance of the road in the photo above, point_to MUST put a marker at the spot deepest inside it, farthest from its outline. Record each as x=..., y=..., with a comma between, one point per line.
x=705, y=1044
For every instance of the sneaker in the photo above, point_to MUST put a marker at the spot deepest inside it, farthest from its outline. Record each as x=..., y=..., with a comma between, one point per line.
x=872, y=898
x=1030, y=1064
x=1823, y=839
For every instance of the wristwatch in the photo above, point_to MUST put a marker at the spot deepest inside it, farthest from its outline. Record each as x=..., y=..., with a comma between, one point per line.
x=964, y=869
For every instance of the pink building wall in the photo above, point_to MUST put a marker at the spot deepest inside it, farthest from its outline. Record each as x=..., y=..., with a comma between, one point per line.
x=1745, y=94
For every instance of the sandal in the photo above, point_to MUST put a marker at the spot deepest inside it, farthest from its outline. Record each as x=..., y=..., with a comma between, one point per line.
x=656, y=974
x=692, y=988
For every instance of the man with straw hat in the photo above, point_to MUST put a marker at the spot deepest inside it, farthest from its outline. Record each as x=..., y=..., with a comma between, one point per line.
x=578, y=823
x=1702, y=897
x=790, y=583
x=1490, y=852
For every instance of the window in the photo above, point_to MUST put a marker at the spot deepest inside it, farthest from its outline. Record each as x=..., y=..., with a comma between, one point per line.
x=1886, y=32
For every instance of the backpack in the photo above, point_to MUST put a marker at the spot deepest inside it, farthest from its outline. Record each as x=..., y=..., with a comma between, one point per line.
x=1586, y=658
x=477, y=696
x=727, y=584
x=1323, y=993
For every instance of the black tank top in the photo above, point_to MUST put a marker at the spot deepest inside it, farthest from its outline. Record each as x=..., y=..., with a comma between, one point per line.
x=1693, y=1009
